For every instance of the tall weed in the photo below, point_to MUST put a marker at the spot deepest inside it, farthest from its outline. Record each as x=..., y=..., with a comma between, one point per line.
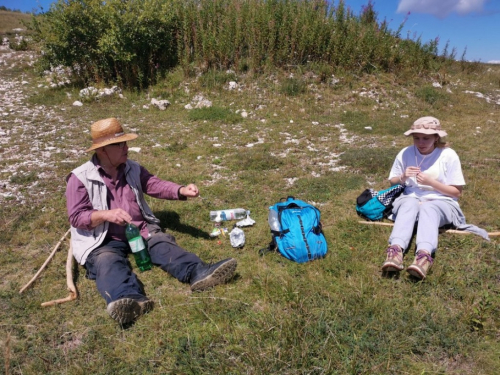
x=135, y=43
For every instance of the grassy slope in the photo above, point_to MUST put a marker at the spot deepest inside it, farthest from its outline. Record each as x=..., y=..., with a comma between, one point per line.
x=12, y=20
x=337, y=315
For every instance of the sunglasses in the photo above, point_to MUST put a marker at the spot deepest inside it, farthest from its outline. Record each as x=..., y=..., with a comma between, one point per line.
x=121, y=144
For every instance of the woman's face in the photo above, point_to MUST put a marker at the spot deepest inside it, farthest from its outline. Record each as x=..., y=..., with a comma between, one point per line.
x=425, y=143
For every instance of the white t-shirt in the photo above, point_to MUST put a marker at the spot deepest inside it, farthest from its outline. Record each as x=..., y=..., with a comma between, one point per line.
x=442, y=164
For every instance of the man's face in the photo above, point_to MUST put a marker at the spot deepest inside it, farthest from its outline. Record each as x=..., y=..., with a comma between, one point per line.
x=117, y=153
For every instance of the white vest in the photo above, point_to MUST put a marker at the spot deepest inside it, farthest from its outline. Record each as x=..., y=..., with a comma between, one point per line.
x=84, y=241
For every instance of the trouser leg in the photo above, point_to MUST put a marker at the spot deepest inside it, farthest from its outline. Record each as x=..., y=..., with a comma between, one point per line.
x=109, y=266
x=406, y=210
x=433, y=215
x=170, y=257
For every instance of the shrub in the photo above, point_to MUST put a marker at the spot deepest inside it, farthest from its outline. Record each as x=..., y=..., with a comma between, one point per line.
x=293, y=87
x=136, y=42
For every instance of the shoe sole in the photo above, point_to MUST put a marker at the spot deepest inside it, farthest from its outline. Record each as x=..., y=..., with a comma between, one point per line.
x=146, y=306
x=416, y=271
x=124, y=310
x=392, y=267
x=221, y=275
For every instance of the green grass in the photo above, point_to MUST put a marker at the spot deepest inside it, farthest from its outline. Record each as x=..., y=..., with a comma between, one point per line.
x=333, y=316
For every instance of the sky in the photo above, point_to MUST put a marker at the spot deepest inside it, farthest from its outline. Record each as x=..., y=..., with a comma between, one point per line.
x=468, y=25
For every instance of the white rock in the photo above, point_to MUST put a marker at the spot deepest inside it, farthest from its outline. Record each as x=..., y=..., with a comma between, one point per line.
x=368, y=127
x=188, y=106
x=233, y=85
x=135, y=149
x=244, y=114
x=77, y=103
x=204, y=103
x=161, y=104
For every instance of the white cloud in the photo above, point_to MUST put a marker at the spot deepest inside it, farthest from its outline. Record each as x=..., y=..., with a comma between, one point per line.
x=441, y=8
x=493, y=62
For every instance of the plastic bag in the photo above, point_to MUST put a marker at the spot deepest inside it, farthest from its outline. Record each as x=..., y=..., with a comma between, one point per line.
x=246, y=222
x=237, y=237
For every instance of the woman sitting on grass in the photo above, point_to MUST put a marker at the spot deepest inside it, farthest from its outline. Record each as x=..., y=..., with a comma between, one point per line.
x=433, y=177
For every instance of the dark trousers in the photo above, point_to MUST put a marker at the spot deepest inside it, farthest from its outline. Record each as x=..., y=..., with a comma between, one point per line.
x=111, y=269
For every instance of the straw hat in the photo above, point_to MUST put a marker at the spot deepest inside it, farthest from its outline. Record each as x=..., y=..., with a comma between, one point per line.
x=427, y=125
x=106, y=132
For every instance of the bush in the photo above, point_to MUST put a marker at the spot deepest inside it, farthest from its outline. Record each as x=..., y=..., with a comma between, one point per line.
x=136, y=42
x=19, y=45
x=129, y=42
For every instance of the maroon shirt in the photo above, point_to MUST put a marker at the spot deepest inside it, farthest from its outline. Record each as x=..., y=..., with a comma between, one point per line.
x=120, y=195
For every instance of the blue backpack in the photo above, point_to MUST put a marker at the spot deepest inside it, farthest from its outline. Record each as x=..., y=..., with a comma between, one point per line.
x=296, y=231
x=375, y=205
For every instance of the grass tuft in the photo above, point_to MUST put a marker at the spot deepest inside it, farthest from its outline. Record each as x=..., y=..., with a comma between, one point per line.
x=214, y=114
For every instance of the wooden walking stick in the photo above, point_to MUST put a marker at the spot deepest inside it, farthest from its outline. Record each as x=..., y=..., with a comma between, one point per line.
x=73, y=294
x=46, y=262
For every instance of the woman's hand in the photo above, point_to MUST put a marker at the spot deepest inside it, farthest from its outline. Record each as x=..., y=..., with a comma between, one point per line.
x=424, y=179
x=411, y=172
x=449, y=190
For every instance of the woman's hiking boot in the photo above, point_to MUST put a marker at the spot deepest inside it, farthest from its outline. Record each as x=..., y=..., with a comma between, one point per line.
x=421, y=265
x=394, y=260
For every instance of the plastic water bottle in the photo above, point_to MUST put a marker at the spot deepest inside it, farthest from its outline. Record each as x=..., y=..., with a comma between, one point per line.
x=230, y=214
x=138, y=247
x=273, y=221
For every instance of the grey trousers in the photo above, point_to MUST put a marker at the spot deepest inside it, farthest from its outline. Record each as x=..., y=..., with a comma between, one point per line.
x=431, y=215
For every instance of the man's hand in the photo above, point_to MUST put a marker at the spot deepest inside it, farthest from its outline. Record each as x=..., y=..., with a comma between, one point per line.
x=116, y=216
x=190, y=191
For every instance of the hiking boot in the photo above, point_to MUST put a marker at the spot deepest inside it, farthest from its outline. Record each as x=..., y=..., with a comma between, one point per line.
x=394, y=260
x=205, y=276
x=146, y=306
x=421, y=265
x=126, y=310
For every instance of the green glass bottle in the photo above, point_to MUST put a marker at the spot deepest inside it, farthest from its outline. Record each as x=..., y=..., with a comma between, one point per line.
x=138, y=247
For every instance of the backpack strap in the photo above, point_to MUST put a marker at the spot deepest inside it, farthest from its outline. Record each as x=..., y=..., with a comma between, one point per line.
x=269, y=249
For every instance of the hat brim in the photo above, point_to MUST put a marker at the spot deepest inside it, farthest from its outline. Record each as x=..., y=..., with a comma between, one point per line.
x=122, y=138
x=441, y=133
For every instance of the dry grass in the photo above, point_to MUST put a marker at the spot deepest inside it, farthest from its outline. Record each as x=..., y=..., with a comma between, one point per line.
x=12, y=20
